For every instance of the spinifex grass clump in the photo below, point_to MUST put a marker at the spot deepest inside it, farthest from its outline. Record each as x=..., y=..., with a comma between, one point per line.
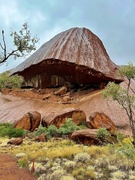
x=62, y=157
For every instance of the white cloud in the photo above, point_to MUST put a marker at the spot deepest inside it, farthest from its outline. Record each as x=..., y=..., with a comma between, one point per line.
x=9, y=12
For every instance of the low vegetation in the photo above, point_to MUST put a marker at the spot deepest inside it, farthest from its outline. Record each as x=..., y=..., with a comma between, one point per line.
x=7, y=130
x=61, y=158
x=125, y=97
x=7, y=81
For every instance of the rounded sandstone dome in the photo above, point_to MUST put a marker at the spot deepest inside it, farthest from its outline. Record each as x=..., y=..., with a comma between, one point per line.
x=76, y=56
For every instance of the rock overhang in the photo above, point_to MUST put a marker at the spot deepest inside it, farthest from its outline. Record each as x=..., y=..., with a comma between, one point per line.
x=76, y=56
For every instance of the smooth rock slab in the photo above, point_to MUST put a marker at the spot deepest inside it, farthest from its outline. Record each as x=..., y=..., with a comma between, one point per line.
x=30, y=121
x=58, y=119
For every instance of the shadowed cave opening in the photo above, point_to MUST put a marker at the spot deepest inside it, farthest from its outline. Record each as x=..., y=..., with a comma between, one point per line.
x=53, y=73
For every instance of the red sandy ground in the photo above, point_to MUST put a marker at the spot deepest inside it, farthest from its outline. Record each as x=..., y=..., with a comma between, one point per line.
x=9, y=169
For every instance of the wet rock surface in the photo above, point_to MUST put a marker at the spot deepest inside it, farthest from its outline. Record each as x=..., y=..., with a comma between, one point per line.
x=101, y=120
x=15, y=141
x=58, y=119
x=30, y=121
x=75, y=56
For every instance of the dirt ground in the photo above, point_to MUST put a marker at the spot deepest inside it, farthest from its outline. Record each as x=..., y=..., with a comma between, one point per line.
x=9, y=169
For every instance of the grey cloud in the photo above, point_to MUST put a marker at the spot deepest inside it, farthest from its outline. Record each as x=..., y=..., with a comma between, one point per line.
x=111, y=20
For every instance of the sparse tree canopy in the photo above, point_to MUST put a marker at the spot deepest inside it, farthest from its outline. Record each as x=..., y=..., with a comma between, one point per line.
x=24, y=43
x=122, y=96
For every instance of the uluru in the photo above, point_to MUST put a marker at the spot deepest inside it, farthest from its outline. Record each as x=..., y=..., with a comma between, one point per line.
x=76, y=56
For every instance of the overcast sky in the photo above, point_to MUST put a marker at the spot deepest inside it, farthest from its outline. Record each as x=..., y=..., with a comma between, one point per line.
x=113, y=21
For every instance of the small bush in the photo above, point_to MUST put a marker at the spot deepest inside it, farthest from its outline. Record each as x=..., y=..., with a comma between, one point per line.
x=120, y=137
x=7, y=129
x=52, y=131
x=127, y=150
x=68, y=127
x=82, y=157
x=103, y=136
x=40, y=130
x=7, y=81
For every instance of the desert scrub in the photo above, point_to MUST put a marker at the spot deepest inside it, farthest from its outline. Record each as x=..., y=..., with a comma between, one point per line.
x=7, y=129
x=69, y=165
x=23, y=162
x=67, y=177
x=82, y=157
x=40, y=151
x=98, y=151
x=68, y=127
x=118, y=175
x=52, y=130
x=7, y=81
x=82, y=173
x=57, y=174
x=63, y=152
x=131, y=174
x=78, y=161
x=126, y=150
x=103, y=136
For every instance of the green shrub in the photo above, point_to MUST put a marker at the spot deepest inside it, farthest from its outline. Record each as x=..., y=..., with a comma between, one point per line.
x=51, y=131
x=127, y=150
x=120, y=137
x=7, y=81
x=103, y=136
x=40, y=130
x=7, y=129
x=68, y=127
x=15, y=132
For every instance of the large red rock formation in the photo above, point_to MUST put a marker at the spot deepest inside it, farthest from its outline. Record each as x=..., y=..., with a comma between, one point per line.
x=58, y=119
x=101, y=120
x=76, y=56
x=13, y=108
x=30, y=121
x=85, y=136
x=88, y=137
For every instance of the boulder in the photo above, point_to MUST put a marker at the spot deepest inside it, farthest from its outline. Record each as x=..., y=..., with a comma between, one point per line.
x=58, y=119
x=30, y=121
x=88, y=137
x=85, y=136
x=101, y=120
x=41, y=138
x=15, y=141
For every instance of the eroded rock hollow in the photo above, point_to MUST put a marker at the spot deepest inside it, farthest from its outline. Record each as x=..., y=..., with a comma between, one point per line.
x=75, y=57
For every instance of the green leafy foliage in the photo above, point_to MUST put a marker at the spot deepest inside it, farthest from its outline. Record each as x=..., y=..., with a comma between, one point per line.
x=50, y=131
x=7, y=81
x=23, y=42
x=116, y=92
x=123, y=95
x=120, y=137
x=53, y=131
x=128, y=71
x=103, y=136
x=7, y=129
x=126, y=150
x=68, y=127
